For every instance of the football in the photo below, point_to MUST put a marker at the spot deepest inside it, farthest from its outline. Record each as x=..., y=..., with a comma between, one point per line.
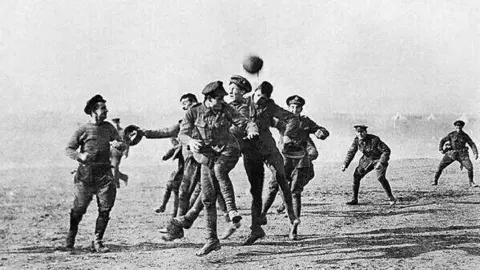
x=252, y=64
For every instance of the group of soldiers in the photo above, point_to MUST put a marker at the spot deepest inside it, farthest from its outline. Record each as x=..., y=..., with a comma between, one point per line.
x=208, y=143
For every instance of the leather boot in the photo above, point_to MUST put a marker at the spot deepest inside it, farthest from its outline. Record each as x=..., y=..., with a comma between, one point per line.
x=210, y=245
x=100, y=227
x=75, y=219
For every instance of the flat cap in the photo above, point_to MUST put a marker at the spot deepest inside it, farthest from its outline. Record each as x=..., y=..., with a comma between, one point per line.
x=91, y=103
x=215, y=89
x=266, y=88
x=241, y=82
x=360, y=127
x=459, y=123
x=295, y=99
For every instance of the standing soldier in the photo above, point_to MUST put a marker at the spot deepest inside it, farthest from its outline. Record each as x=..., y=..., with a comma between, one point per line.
x=205, y=129
x=375, y=156
x=454, y=148
x=116, y=156
x=262, y=110
x=90, y=146
x=297, y=168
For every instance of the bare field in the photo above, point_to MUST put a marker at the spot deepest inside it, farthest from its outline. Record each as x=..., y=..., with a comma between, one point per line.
x=430, y=228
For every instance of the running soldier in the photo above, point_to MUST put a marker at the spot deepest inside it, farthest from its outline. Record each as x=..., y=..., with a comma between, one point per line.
x=261, y=110
x=375, y=156
x=90, y=146
x=205, y=129
x=297, y=167
x=454, y=148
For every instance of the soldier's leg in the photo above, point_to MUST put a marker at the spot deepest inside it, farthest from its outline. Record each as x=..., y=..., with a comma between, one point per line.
x=253, y=163
x=299, y=181
x=83, y=195
x=195, y=194
x=275, y=163
x=446, y=160
x=381, y=172
x=209, y=199
x=273, y=190
x=186, y=221
x=168, y=191
x=106, y=194
x=191, y=173
x=221, y=169
x=467, y=163
x=359, y=173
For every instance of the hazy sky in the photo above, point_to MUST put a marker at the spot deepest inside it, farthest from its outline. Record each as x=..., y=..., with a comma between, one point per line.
x=344, y=56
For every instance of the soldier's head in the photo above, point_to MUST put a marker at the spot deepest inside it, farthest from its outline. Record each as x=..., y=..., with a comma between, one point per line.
x=361, y=131
x=459, y=124
x=237, y=87
x=188, y=100
x=214, y=94
x=263, y=91
x=96, y=108
x=295, y=104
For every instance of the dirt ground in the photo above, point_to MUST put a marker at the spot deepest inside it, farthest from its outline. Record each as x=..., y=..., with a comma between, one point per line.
x=430, y=228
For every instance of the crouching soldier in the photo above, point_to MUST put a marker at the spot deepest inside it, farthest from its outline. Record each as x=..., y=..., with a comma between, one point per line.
x=375, y=157
x=90, y=146
x=454, y=148
x=205, y=129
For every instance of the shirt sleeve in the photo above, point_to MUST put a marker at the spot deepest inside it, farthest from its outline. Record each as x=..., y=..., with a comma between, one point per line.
x=186, y=127
x=241, y=121
x=167, y=132
x=385, y=150
x=291, y=121
x=472, y=145
x=73, y=144
x=351, y=153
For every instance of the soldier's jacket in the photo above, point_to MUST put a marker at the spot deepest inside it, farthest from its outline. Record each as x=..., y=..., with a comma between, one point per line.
x=458, y=141
x=373, y=149
x=213, y=128
x=302, y=137
x=263, y=114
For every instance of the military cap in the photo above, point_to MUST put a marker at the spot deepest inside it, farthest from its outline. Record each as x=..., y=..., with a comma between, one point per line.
x=91, y=103
x=360, y=127
x=296, y=100
x=241, y=82
x=116, y=120
x=459, y=123
x=266, y=88
x=215, y=89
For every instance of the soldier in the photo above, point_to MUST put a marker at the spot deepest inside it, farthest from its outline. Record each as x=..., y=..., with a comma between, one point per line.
x=375, y=156
x=205, y=129
x=90, y=146
x=297, y=168
x=116, y=156
x=173, y=185
x=456, y=150
x=261, y=110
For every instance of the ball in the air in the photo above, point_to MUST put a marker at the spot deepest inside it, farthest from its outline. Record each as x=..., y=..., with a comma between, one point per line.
x=252, y=64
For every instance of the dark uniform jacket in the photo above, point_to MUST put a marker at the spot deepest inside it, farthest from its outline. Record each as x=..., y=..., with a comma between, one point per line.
x=213, y=128
x=263, y=114
x=458, y=141
x=373, y=150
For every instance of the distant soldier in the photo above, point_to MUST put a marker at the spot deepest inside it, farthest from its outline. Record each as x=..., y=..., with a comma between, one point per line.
x=90, y=146
x=116, y=156
x=375, y=157
x=454, y=148
x=297, y=165
x=205, y=129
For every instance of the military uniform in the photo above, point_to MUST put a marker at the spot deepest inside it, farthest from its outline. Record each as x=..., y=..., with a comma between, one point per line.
x=457, y=151
x=376, y=155
x=299, y=169
x=94, y=175
x=256, y=153
x=218, y=156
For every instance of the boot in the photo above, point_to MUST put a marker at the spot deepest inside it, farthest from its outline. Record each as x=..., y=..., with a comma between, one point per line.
x=356, y=189
x=100, y=227
x=210, y=245
x=254, y=236
x=124, y=178
x=232, y=228
x=75, y=219
x=280, y=208
x=175, y=231
x=293, y=230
